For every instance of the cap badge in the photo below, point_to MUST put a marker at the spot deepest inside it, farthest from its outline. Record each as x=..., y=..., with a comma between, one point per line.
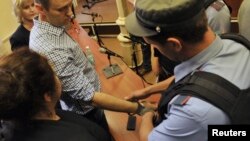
x=158, y=29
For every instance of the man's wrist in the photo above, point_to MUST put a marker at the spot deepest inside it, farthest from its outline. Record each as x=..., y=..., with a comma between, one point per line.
x=139, y=109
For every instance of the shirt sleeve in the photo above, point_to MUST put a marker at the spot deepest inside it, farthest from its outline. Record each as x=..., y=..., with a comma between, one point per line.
x=188, y=122
x=176, y=128
x=219, y=21
x=73, y=77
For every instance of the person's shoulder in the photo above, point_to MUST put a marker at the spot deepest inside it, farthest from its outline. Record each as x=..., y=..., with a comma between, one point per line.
x=232, y=39
x=199, y=110
x=19, y=38
x=73, y=117
x=81, y=122
x=218, y=7
x=19, y=32
x=46, y=130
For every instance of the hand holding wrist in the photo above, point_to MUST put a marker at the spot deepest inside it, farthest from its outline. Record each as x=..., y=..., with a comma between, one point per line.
x=141, y=110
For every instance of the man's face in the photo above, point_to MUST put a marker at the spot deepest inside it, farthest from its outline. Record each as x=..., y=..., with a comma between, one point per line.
x=59, y=12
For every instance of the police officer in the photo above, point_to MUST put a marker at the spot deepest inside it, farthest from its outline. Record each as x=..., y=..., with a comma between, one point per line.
x=180, y=31
x=219, y=19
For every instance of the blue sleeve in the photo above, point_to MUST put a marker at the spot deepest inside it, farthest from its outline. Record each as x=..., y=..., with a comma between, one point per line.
x=188, y=122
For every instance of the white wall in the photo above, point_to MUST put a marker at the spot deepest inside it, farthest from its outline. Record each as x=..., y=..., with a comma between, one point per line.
x=8, y=25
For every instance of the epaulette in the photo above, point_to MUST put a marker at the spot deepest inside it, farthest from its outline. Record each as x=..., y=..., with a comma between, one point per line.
x=217, y=5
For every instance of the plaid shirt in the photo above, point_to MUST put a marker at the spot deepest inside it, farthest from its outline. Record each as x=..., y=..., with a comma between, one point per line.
x=78, y=77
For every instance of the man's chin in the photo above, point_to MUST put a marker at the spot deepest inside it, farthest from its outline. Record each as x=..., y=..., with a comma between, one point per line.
x=67, y=23
x=60, y=25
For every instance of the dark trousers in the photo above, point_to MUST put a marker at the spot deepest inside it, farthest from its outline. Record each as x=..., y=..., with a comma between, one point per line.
x=97, y=115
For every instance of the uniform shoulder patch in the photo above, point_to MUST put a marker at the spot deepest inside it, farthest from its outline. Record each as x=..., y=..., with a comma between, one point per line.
x=217, y=5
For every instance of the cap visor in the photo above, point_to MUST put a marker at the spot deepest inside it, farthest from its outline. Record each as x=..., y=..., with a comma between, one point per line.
x=135, y=28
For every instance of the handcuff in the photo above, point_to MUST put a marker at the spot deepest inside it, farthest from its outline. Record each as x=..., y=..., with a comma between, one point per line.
x=141, y=110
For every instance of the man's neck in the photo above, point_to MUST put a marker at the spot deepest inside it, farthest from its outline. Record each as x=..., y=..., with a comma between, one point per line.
x=191, y=50
x=46, y=116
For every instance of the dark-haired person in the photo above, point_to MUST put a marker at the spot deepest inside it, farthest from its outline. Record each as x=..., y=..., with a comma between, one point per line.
x=24, y=11
x=219, y=19
x=81, y=89
x=29, y=91
x=180, y=31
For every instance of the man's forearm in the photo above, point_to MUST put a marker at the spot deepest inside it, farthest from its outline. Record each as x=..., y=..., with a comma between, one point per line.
x=112, y=103
x=146, y=126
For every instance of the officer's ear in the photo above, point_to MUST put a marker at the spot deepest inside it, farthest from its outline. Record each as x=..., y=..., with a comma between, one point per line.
x=174, y=44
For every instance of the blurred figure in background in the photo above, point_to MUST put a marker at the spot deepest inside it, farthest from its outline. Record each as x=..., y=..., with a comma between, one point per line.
x=243, y=20
x=25, y=11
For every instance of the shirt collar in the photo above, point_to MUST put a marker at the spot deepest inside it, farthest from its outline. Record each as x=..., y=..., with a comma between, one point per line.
x=198, y=60
x=48, y=27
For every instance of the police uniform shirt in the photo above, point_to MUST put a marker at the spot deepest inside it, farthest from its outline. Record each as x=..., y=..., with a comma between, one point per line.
x=189, y=122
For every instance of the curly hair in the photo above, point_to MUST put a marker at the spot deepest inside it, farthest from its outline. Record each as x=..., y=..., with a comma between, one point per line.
x=25, y=78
